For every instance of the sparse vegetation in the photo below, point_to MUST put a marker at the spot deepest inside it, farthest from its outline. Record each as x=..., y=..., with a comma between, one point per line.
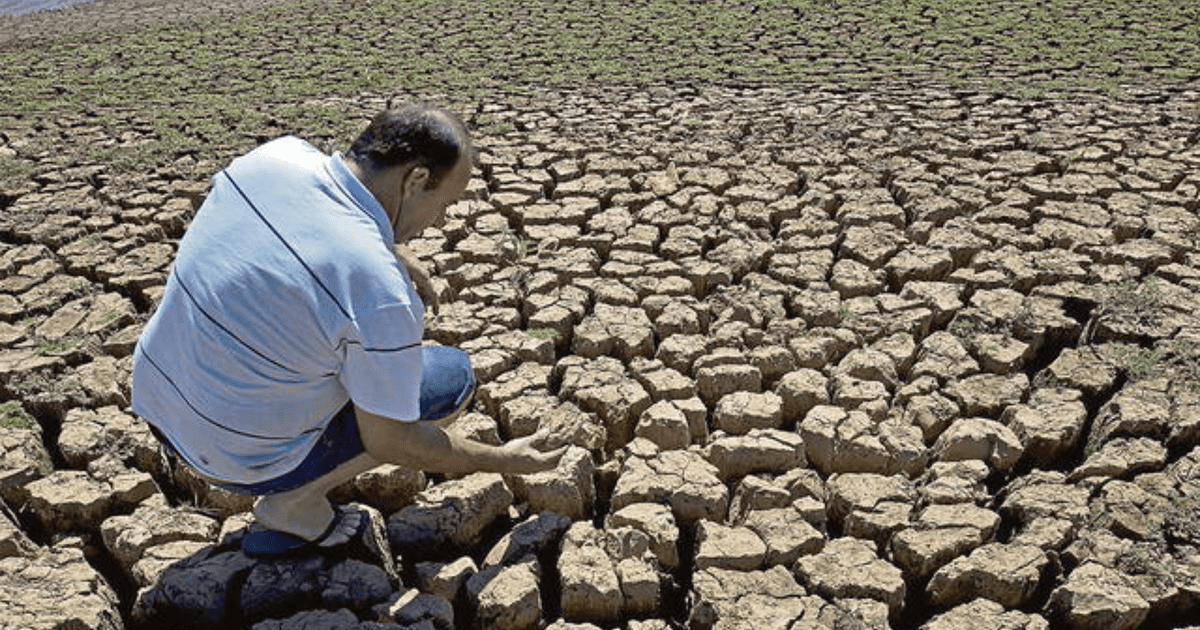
x=13, y=416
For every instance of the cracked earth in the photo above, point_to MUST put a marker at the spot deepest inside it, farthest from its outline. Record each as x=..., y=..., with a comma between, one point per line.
x=891, y=358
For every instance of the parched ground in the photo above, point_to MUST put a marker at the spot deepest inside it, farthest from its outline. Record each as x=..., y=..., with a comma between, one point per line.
x=893, y=356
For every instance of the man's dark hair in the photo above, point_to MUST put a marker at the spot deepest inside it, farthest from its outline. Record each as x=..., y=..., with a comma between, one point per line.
x=420, y=135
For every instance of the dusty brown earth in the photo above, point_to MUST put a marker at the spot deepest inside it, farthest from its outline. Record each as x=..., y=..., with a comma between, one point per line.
x=897, y=358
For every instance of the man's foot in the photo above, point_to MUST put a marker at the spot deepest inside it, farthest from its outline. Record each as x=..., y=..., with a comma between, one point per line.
x=269, y=543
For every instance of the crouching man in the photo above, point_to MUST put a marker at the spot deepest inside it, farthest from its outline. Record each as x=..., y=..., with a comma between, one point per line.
x=285, y=357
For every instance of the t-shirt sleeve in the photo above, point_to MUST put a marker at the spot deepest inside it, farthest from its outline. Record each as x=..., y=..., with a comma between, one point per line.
x=382, y=364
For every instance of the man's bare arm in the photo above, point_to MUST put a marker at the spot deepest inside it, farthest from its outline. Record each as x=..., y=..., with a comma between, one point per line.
x=425, y=446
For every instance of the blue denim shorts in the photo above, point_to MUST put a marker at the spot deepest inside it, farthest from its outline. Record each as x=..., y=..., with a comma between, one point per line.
x=339, y=444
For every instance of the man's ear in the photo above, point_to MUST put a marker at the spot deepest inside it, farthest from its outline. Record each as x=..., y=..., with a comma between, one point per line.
x=415, y=179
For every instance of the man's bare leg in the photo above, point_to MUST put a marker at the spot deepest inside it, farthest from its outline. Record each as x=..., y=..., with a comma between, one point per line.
x=305, y=511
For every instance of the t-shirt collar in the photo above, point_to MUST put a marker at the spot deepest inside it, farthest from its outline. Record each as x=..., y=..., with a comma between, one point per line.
x=367, y=201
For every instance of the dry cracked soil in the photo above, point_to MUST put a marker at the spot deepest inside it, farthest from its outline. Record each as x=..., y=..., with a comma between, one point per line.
x=883, y=358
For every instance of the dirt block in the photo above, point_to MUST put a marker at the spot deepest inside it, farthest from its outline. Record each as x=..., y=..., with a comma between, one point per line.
x=714, y=383
x=943, y=356
x=759, y=599
x=507, y=597
x=682, y=479
x=566, y=490
x=983, y=613
x=1006, y=574
x=591, y=589
x=1096, y=597
x=389, y=487
x=785, y=533
x=153, y=524
x=614, y=331
x=1122, y=457
x=601, y=386
x=849, y=568
x=800, y=391
x=989, y=395
x=979, y=438
x=739, y=412
x=445, y=580
x=870, y=506
x=665, y=425
x=760, y=450
x=449, y=516
x=839, y=441
x=56, y=588
x=1049, y=425
x=657, y=522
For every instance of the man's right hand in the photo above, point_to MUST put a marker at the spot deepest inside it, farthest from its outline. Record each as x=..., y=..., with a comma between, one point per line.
x=527, y=459
x=426, y=446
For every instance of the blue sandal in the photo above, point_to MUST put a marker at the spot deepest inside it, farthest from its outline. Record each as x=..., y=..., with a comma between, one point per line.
x=270, y=543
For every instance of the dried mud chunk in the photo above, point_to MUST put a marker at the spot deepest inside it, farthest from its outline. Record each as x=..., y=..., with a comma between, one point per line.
x=785, y=534
x=839, y=441
x=657, y=522
x=1122, y=457
x=979, y=438
x=799, y=392
x=128, y=537
x=1049, y=425
x=851, y=278
x=872, y=246
x=600, y=386
x=753, y=599
x=567, y=490
x=760, y=450
x=1006, y=574
x=869, y=364
x=940, y=534
x=616, y=331
x=714, y=383
x=13, y=541
x=1129, y=511
x=73, y=499
x=389, y=487
x=849, y=568
x=526, y=378
x=917, y=263
x=445, y=580
x=723, y=547
x=931, y=413
x=740, y=257
x=983, y=613
x=89, y=435
x=591, y=588
x=681, y=479
x=1141, y=409
x=741, y=411
x=1045, y=495
x=23, y=455
x=665, y=425
x=870, y=506
x=662, y=382
x=1088, y=369
x=1096, y=597
x=450, y=515
x=989, y=394
x=56, y=589
x=943, y=356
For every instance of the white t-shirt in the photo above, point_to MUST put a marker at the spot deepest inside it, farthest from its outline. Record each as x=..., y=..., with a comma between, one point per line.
x=285, y=302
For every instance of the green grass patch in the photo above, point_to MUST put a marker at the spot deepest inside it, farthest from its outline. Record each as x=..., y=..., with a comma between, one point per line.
x=13, y=416
x=217, y=87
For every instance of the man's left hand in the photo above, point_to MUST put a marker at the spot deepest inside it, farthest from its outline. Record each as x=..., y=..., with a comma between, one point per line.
x=419, y=275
